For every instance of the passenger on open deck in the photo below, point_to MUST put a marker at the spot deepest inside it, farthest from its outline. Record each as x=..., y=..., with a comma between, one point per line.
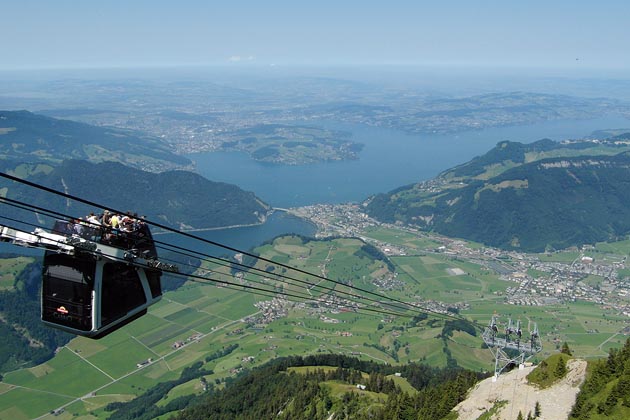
x=114, y=221
x=93, y=220
x=64, y=227
x=127, y=222
x=78, y=227
x=106, y=219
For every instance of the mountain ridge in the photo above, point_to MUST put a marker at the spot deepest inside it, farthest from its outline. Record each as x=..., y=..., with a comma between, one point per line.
x=31, y=137
x=179, y=199
x=525, y=197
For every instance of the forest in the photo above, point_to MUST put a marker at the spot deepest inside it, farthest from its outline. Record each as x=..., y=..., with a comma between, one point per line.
x=23, y=338
x=606, y=392
x=547, y=204
x=273, y=390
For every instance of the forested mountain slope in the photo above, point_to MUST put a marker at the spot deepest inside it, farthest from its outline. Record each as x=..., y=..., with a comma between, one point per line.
x=177, y=198
x=325, y=387
x=527, y=197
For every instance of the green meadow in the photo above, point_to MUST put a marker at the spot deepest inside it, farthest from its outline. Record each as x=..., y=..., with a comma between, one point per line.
x=201, y=318
x=10, y=268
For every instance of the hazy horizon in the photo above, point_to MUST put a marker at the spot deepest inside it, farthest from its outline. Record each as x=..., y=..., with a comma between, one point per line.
x=566, y=36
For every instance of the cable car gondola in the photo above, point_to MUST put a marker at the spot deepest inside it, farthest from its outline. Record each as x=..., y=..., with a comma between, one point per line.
x=107, y=281
x=94, y=280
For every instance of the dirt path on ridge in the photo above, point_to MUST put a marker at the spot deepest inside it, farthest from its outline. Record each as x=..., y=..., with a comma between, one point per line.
x=555, y=401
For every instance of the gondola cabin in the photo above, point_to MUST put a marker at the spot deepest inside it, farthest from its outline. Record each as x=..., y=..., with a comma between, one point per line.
x=107, y=282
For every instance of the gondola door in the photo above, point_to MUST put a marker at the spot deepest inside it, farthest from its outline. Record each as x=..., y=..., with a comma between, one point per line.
x=68, y=292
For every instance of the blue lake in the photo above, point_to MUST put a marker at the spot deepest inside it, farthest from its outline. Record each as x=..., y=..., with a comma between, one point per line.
x=390, y=159
x=242, y=238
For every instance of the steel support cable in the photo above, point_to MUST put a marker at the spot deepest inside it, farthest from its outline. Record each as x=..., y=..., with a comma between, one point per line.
x=246, y=268
x=308, y=298
x=225, y=263
x=271, y=293
x=210, y=242
x=235, y=286
x=266, y=274
x=256, y=279
x=189, y=235
x=33, y=209
x=239, y=287
x=122, y=260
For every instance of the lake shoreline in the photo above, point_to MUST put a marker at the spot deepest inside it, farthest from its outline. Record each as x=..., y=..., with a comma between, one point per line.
x=289, y=212
x=389, y=160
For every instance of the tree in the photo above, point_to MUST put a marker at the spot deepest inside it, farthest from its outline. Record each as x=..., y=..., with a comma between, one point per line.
x=537, y=410
x=565, y=349
x=561, y=368
x=520, y=416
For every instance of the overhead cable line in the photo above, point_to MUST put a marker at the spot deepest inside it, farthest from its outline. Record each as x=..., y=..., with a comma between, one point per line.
x=33, y=209
x=189, y=235
x=303, y=298
x=246, y=268
x=407, y=305
x=215, y=260
x=235, y=286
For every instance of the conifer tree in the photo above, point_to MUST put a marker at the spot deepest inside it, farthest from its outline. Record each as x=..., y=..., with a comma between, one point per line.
x=561, y=368
x=565, y=349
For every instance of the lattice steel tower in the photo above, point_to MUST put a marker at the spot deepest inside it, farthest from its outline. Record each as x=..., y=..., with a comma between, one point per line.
x=510, y=348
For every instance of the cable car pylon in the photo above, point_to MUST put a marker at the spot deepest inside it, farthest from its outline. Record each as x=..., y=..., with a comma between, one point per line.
x=510, y=349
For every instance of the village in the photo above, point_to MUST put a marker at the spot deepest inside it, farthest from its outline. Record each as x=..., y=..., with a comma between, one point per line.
x=590, y=276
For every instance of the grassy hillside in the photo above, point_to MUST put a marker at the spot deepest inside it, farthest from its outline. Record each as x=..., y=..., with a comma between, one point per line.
x=28, y=137
x=527, y=197
x=549, y=370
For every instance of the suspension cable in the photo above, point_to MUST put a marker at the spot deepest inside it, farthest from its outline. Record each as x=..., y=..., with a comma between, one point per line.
x=216, y=260
x=393, y=301
x=252, y=289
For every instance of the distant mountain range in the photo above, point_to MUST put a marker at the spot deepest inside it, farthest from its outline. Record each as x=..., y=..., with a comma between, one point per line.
x=179, y=199
x=529, y=197
x=429, y=115
x=29, y=137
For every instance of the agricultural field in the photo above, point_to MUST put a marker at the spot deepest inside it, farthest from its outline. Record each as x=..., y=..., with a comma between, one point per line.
x=415, y=241
x=202, y=318
x=10, y=268
x=566, y=256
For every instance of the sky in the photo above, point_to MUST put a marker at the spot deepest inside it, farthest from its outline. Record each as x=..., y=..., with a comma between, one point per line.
x=42, y=34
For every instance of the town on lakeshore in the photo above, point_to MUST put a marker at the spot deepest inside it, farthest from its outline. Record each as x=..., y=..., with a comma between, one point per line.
x=586, y=273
